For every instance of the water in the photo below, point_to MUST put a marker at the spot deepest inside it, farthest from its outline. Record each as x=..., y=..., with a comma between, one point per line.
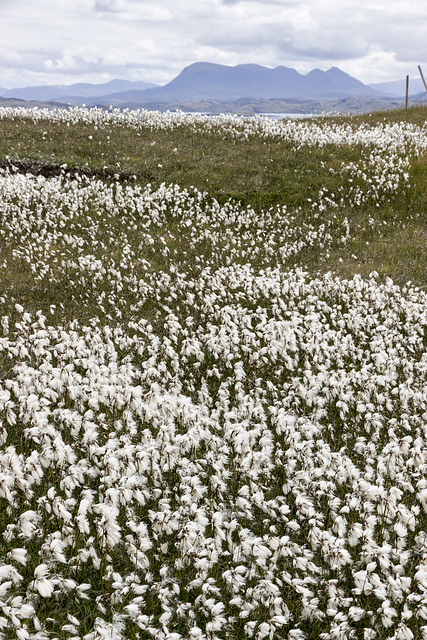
x=272, y=116
x=293, y=116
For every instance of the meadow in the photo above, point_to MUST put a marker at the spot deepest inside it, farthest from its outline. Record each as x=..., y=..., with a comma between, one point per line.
x=213, y=389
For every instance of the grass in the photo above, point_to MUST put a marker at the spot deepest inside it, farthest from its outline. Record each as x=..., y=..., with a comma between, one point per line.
x=389, y=239
x=398, y=251
x=256, y=172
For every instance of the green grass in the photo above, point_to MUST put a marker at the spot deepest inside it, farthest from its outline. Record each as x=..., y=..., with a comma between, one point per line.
x=256, y=172
x=259, y=173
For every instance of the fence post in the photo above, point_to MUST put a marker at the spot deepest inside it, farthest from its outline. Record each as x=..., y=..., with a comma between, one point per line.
x=407, y=92
x=422, y=76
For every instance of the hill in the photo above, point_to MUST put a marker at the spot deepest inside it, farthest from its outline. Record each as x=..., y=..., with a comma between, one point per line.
x=30, y=104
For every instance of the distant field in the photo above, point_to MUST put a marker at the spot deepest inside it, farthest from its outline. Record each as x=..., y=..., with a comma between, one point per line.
x=213, y=357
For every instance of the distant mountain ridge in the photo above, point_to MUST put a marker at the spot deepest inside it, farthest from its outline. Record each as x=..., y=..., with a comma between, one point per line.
x=220, y=82
x=210, y=81
x=398, y=87
x=59, y=93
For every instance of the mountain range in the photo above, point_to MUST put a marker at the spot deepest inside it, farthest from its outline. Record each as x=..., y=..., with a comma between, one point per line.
x=209, y=81
x=219, y=82
x=62, y=93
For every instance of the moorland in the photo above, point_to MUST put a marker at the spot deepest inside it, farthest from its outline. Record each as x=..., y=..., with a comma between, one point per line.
x=213, y=368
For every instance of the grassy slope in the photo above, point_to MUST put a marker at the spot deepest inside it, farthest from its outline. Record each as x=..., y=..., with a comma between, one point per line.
x=257, y=172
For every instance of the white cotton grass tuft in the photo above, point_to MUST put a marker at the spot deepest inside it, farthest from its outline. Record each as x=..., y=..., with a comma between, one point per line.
x=44, y=586
x=234, y=447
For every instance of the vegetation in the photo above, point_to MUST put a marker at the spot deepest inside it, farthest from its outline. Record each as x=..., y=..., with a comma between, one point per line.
x=255, y=172
x=212, y=376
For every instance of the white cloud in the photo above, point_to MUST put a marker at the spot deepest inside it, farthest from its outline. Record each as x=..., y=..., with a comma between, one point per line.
x=106, y=5
x=8, y=56
x=94, y=40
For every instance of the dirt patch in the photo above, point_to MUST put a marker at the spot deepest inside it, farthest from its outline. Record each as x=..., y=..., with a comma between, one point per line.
x=35, y=168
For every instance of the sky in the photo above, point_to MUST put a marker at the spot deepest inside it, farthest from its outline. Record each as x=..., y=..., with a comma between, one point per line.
x=68, y=41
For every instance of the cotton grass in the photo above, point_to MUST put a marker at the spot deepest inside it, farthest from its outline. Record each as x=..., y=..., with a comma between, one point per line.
x=229, y=447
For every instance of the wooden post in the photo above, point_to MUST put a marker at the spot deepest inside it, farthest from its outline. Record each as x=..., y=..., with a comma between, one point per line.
x=422, y=76
x=407, y=92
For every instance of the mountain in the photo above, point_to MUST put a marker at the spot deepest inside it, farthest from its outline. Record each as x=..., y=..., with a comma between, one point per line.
x=208, y=80
x=335, y=83
x=205, y=80
x=398, y=87
x=80, y=90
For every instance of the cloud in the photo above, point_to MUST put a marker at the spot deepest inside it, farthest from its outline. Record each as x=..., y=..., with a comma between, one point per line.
x=9, y=57
x=263, y=3
x=154, y=40
x=128, y=9
x=106, y=6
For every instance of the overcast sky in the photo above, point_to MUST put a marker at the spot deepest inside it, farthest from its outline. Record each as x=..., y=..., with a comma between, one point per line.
x=67, y=41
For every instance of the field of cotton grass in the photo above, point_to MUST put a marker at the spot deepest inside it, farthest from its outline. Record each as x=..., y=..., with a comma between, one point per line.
x=207, y=429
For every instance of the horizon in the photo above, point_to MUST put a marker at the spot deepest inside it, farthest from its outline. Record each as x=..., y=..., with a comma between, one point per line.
x=124, y=79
